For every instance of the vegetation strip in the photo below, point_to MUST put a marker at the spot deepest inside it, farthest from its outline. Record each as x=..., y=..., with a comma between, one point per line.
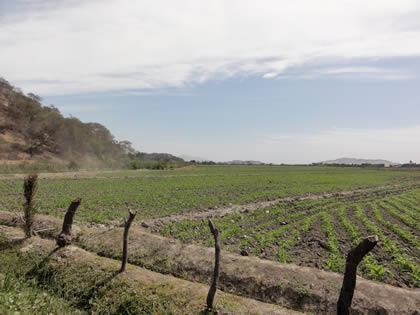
x=265, y=280
x=94, y=285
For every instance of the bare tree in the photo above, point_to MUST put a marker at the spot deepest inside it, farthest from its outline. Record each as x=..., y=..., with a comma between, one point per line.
x=30, y=186
x=354, y=257
x=127, y=224
x=65, y=237
x=213, y=286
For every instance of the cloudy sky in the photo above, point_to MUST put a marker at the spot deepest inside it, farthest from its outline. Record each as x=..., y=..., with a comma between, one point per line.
x=277, y=81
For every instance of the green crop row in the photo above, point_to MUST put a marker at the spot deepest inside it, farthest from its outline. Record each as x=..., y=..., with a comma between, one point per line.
x=335, y=261
x=403, y=262
x=409, y=221
x=410, y=207
x=408, y=203
x=397, y=229
x=370, y=267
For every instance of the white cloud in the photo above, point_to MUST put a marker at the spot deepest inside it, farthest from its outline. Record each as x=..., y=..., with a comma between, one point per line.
x=270, y=75
x=352, y=70
x=98, y=45
x=365, y=72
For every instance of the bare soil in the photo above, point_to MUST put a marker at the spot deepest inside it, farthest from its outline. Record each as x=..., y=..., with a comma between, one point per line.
x=312, y=250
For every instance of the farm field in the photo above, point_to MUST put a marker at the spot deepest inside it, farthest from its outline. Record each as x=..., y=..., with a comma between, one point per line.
x=307, y=216
x=106, y=195
x=319, y=233
x=315, y=232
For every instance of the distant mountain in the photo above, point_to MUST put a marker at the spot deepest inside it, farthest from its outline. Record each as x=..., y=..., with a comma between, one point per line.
x=239, y=162
x=353, y=161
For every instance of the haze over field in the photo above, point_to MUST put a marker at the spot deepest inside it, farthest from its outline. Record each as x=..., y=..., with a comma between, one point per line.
x=281, y=82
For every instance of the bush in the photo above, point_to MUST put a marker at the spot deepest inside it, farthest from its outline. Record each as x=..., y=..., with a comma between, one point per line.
x=73, y=166
x=135, y=165
x=150, y=165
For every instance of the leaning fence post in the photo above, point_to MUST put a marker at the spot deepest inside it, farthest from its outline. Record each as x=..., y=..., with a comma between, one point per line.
x=212, y=290
x=127, y=224
x=354, y=257
x=30, y=186
x=65, y=238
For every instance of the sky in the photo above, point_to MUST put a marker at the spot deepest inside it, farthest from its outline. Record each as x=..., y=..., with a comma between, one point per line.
x=275, y=81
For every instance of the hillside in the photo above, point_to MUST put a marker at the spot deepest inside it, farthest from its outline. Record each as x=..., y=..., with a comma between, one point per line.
x=30, y=131
x=354, y=161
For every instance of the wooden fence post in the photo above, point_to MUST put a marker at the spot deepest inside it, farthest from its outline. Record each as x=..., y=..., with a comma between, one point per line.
x=354, y=257
x=127, y=224
x=213, y=287
x=30, y=186
x=65, y=238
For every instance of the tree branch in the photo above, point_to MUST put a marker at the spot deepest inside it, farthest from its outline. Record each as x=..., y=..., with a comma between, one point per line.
x=131, y=216
x=354, y=257
x=213, y=287
x=65, y=238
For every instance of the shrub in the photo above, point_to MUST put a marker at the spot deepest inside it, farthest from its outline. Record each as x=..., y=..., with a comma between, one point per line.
x=73, y=166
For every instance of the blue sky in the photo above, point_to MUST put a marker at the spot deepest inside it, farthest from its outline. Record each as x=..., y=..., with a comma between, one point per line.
x=289, y=82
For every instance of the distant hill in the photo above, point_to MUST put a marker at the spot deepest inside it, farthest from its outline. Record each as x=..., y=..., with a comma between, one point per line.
x=354, y=161
x=239, y=162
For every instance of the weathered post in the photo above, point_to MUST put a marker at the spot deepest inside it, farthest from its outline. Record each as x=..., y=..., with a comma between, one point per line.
x=30, y=186
x=213, y=286
x=354, y=257
x=65, y=238
x=127, y=224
